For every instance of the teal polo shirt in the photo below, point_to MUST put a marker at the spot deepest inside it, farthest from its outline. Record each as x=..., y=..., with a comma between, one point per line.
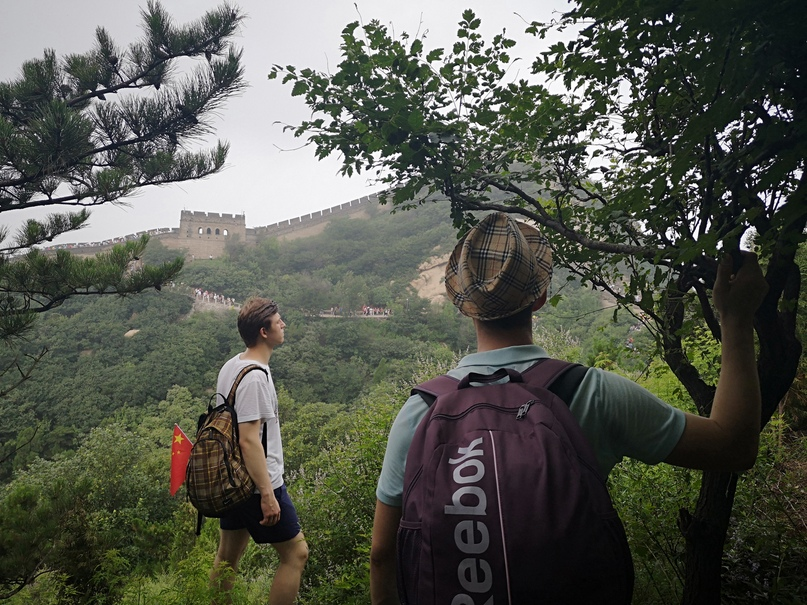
x=618, y=417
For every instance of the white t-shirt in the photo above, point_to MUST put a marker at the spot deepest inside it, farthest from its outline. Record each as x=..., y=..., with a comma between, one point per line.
x=255, y=399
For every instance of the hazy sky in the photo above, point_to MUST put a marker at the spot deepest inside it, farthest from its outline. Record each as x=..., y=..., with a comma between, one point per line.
x=268, y=176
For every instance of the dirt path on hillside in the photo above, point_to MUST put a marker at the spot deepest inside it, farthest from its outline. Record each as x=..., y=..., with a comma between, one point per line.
x=430, y=283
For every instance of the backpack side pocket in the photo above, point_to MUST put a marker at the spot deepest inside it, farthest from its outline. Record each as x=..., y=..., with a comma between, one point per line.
x=410, y=544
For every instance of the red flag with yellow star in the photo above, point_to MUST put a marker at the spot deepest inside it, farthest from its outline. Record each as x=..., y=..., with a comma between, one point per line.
x=180, y=454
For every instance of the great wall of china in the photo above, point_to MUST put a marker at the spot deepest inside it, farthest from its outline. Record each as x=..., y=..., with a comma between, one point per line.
x=205, y=234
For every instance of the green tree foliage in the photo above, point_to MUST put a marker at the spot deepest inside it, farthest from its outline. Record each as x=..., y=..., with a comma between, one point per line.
x=157, y=253
x=79, y=525
x=454, y=123
x=682, y=130
x=346, y=470
x=305, y=428
x=94, y=371
x=334, y=491
x=90, y=129
x=24, y=555
x=95, y=516
x=766, y=549
x=583, y=325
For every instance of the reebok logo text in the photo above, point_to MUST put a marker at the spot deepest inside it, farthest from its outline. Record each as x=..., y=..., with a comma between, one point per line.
x=471, y=537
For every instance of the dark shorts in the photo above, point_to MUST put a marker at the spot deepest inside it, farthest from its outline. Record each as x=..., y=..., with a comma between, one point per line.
x=248, y=516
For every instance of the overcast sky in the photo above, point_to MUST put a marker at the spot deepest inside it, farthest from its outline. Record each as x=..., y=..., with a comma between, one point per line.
x=268, y=177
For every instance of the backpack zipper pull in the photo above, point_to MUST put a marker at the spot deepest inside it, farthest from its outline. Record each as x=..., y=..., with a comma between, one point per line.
x=522, y=411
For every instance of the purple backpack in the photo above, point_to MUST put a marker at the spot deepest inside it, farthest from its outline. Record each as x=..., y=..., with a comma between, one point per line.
x=503, y=502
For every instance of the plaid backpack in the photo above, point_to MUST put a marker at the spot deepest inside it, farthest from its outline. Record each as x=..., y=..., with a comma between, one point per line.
x=502, y=499
x=217, y=479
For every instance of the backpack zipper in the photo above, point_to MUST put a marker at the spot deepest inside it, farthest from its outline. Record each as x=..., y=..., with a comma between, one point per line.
x=522, y=411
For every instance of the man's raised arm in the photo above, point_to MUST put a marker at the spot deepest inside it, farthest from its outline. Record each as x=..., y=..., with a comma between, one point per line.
x=728, y=439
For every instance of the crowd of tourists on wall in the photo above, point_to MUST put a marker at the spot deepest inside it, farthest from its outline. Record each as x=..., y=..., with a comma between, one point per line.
x=207, y=296
x=368, y=310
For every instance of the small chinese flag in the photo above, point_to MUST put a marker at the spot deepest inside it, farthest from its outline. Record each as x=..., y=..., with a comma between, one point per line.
x=180, y=454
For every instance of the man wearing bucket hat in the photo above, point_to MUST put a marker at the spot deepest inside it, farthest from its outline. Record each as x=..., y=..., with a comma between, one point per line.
x=498, y=275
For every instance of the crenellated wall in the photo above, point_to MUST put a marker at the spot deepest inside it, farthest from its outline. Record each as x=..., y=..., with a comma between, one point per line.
x=313, y=223
x=205, y=234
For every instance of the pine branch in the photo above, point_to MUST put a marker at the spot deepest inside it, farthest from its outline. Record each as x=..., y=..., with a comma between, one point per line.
x=59, y=127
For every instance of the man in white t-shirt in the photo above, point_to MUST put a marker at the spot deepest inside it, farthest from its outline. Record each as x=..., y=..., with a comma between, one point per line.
x=498, y=275
x=269, y=517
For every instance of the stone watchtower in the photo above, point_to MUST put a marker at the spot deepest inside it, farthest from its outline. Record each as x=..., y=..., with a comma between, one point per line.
x=204, y=234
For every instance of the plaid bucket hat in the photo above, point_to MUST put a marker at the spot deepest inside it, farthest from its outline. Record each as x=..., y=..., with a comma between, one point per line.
x=500, y=267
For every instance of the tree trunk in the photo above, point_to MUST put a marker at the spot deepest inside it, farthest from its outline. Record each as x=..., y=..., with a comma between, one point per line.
x=705, y=534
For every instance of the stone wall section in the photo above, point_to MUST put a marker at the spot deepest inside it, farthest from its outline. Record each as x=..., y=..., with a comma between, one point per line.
x=205, y=234
x=313, y=223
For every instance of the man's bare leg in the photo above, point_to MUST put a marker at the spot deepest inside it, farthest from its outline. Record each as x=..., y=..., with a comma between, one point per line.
x=286, y=584
x=232, y=544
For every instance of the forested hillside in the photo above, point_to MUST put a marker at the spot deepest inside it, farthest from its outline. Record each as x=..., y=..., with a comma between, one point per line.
x=85, y=515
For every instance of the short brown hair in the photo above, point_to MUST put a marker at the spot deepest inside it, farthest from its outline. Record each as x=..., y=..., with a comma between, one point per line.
x=255, y=314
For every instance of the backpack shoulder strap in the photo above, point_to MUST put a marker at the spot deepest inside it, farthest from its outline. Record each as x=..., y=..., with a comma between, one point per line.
x=230, y=400
x=565, y=386
x=560, y=377
x=432, y=389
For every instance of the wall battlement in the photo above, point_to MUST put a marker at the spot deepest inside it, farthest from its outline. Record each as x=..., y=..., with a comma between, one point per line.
x=200, y=215
x=314, y=219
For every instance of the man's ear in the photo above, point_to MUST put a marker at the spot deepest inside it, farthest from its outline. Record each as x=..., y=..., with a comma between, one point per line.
x=539, y=303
